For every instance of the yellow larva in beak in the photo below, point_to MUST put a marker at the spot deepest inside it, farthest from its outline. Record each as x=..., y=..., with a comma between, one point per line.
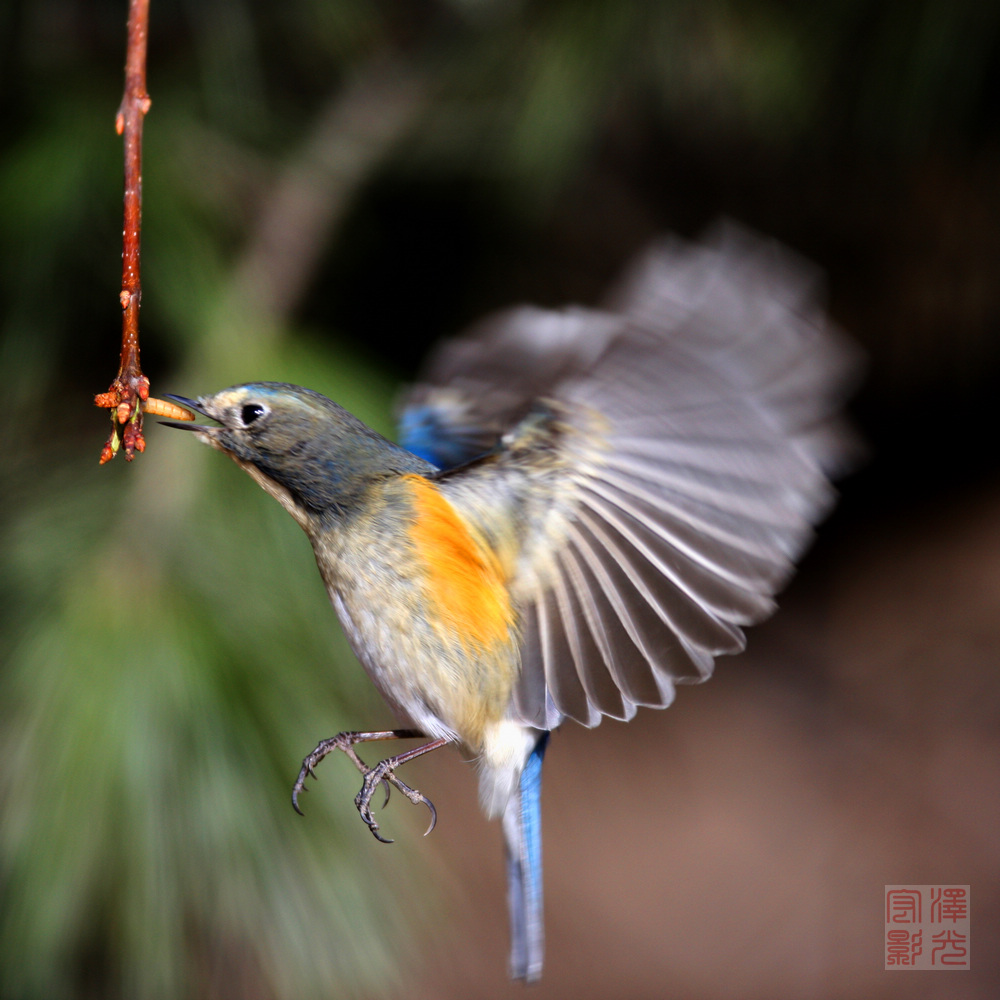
x=163, y=408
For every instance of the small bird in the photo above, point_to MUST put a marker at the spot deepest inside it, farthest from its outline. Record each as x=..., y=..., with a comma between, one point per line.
x=586, y=508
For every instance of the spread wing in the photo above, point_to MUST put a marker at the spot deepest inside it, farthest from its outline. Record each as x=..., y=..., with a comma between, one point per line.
x=666, y=458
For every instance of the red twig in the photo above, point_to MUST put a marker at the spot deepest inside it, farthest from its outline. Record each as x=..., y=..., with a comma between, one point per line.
x=130, y=387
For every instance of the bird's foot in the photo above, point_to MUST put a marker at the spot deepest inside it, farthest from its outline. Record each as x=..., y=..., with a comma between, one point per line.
x=383, y=773
x=344, y=742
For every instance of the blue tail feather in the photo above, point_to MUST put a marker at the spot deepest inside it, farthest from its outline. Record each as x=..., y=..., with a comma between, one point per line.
x=522, y=827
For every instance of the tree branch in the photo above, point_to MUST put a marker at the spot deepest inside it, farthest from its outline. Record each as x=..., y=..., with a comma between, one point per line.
x=130, y=387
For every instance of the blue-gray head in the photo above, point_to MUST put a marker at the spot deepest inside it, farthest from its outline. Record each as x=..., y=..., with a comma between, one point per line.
x=304, y=449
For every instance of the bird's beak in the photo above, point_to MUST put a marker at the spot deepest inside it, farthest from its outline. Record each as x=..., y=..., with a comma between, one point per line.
x=188, y=404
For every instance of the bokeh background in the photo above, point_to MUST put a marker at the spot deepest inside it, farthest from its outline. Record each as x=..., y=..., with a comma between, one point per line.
x=330, y=185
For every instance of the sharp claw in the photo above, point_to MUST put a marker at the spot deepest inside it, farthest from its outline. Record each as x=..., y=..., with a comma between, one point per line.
x=387, y=790
x=372, y=823
x=300, y=786
x=434, y=814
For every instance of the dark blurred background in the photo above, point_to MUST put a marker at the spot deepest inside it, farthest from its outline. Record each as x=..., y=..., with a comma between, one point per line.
x=329, y=186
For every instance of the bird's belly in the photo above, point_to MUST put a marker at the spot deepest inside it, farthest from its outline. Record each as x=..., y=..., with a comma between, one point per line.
x=433, y=680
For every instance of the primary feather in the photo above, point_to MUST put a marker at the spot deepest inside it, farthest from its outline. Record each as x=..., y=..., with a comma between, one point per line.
x=680, y=442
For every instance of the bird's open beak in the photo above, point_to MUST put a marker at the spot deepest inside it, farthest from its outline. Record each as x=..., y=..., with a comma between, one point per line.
x=187, y=404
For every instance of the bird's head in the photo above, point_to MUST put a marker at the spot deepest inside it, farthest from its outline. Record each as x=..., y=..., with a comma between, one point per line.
x=308, y=452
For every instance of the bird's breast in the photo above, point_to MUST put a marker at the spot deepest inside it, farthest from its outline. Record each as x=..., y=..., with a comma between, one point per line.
x=466, y=592
x=425, y=604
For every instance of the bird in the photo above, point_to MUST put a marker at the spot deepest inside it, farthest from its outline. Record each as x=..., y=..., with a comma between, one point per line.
x=586, y=507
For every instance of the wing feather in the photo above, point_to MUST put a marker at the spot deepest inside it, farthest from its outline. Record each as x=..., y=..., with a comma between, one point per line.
x=561, y=676
x=677, y=585
x=640, y=677
x=658, y=584
x=598, y=662
x=662, y=461
x=742, y=551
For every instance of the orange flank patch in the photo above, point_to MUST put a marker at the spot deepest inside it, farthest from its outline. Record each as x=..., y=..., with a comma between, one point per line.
x=466, y=585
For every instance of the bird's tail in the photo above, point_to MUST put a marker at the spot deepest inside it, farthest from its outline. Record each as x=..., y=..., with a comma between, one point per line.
x=522, y=830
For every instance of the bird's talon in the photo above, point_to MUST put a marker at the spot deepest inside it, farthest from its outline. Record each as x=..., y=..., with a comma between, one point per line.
x=434, y=814
x=299, y=786
x=371, y=822
x=382, y=773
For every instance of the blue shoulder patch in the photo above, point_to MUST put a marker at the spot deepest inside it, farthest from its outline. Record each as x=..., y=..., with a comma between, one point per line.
x=426, y=431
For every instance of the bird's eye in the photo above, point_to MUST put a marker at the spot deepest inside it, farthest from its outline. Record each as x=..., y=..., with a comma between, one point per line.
x=251, y=412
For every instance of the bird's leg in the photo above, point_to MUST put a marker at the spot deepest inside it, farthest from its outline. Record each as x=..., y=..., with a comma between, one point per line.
x=384, y=771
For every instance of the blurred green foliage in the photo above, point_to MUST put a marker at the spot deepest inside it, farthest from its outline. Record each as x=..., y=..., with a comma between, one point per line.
x=168, y=655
